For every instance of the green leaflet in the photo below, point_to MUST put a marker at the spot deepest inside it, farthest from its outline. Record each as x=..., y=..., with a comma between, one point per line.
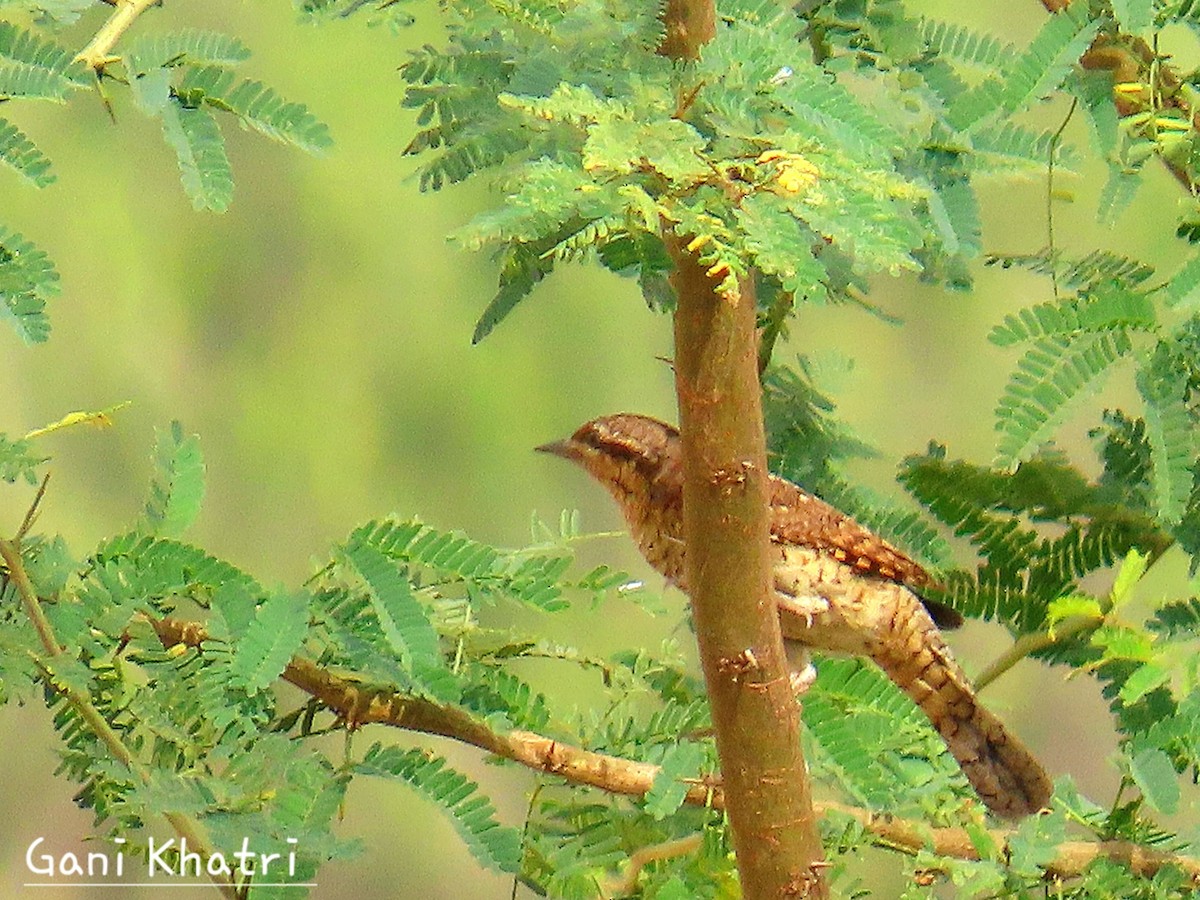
x=20, y=154
x=18, y=461
x=1039, y=69
x=1183, y=290
x=257, y=105
x=1163, y=385
x=1151, y=769
x=27, y=280
x=190, y=47
x=1107, y=310
x=493, y=845
x=1134, y=16
x=177, y=489
x=1050, y=378
x=1085, y=273
x=1118, y=192
x=679, y=767
x=203, y=166
x=268, y=644
x=401, y=616
x=1012, y=148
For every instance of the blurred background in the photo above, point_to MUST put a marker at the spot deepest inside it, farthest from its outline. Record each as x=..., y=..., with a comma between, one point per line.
x=317, y=338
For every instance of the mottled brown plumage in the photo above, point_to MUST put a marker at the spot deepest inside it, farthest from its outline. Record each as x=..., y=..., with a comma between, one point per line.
x=839, y=587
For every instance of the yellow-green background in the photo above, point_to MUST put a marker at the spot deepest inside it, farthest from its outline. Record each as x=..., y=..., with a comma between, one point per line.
x=317, y=338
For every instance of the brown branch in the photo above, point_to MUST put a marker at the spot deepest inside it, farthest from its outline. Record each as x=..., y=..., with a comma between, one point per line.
x=359, y=704
x=756, y=719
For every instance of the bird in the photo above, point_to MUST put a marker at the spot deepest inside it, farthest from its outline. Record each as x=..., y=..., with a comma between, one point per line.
x=838, y=586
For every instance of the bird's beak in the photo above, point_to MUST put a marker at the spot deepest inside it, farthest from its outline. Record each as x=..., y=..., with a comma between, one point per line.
x=564, y=448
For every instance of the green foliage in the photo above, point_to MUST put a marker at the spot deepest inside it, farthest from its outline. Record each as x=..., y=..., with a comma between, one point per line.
x=198, y=48
x=809, y=446
x=493, y=845
x=27, y=280
x=179, y=77
x=20, y=154
x=392, y=13
x=18, y=461
x=874, y=744
x=810, y=148
x=1025, y=568
x=1039, y=69
x=1086, y=273
x=178, y=486
x=401, y=605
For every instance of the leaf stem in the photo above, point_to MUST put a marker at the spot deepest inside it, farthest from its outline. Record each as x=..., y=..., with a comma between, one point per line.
x=1029, y=644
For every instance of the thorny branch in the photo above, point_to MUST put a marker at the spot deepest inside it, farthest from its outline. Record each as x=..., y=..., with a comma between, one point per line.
x=358, y=704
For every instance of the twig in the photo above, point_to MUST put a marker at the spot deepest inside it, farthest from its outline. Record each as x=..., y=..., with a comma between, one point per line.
x=10, y=552
x=31, y=513
x=98, y=53
x=626, y=885
x=1050, y=242
x=358, y=704
x=1028, y=644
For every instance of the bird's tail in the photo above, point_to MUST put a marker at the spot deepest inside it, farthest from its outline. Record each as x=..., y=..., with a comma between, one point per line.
x=1005, y=775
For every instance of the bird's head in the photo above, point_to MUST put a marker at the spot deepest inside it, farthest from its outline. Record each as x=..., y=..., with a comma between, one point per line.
x=628, y=453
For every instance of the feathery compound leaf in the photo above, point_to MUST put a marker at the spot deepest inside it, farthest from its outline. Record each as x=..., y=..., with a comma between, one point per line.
x=178, y=485
x=1051, y=377
x=678, y=770
x=411, y=541
x=771, y=234
x=962, y=44
x=19, y=153
x=1037, y=71
x=1118, y=192
x=1134, y=16
x=1183, y=290
x=401, y=616
x=1011, y=148
x=27, y=279
x=868, y=735
x=1163, y=383
x=1110, y=309
x=197, y=48
x=261, y=654
x=955, y=210
x=22, y=46
x=1178, y=620
x=33, y=67
x=523, y=267
x=18, y=461
x=1084, y=273
x=378, y=12
x=812, y=97
x=257, y=105
x=493, y=845
x=54, y=13
x=203, y=166
x=29, y=82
